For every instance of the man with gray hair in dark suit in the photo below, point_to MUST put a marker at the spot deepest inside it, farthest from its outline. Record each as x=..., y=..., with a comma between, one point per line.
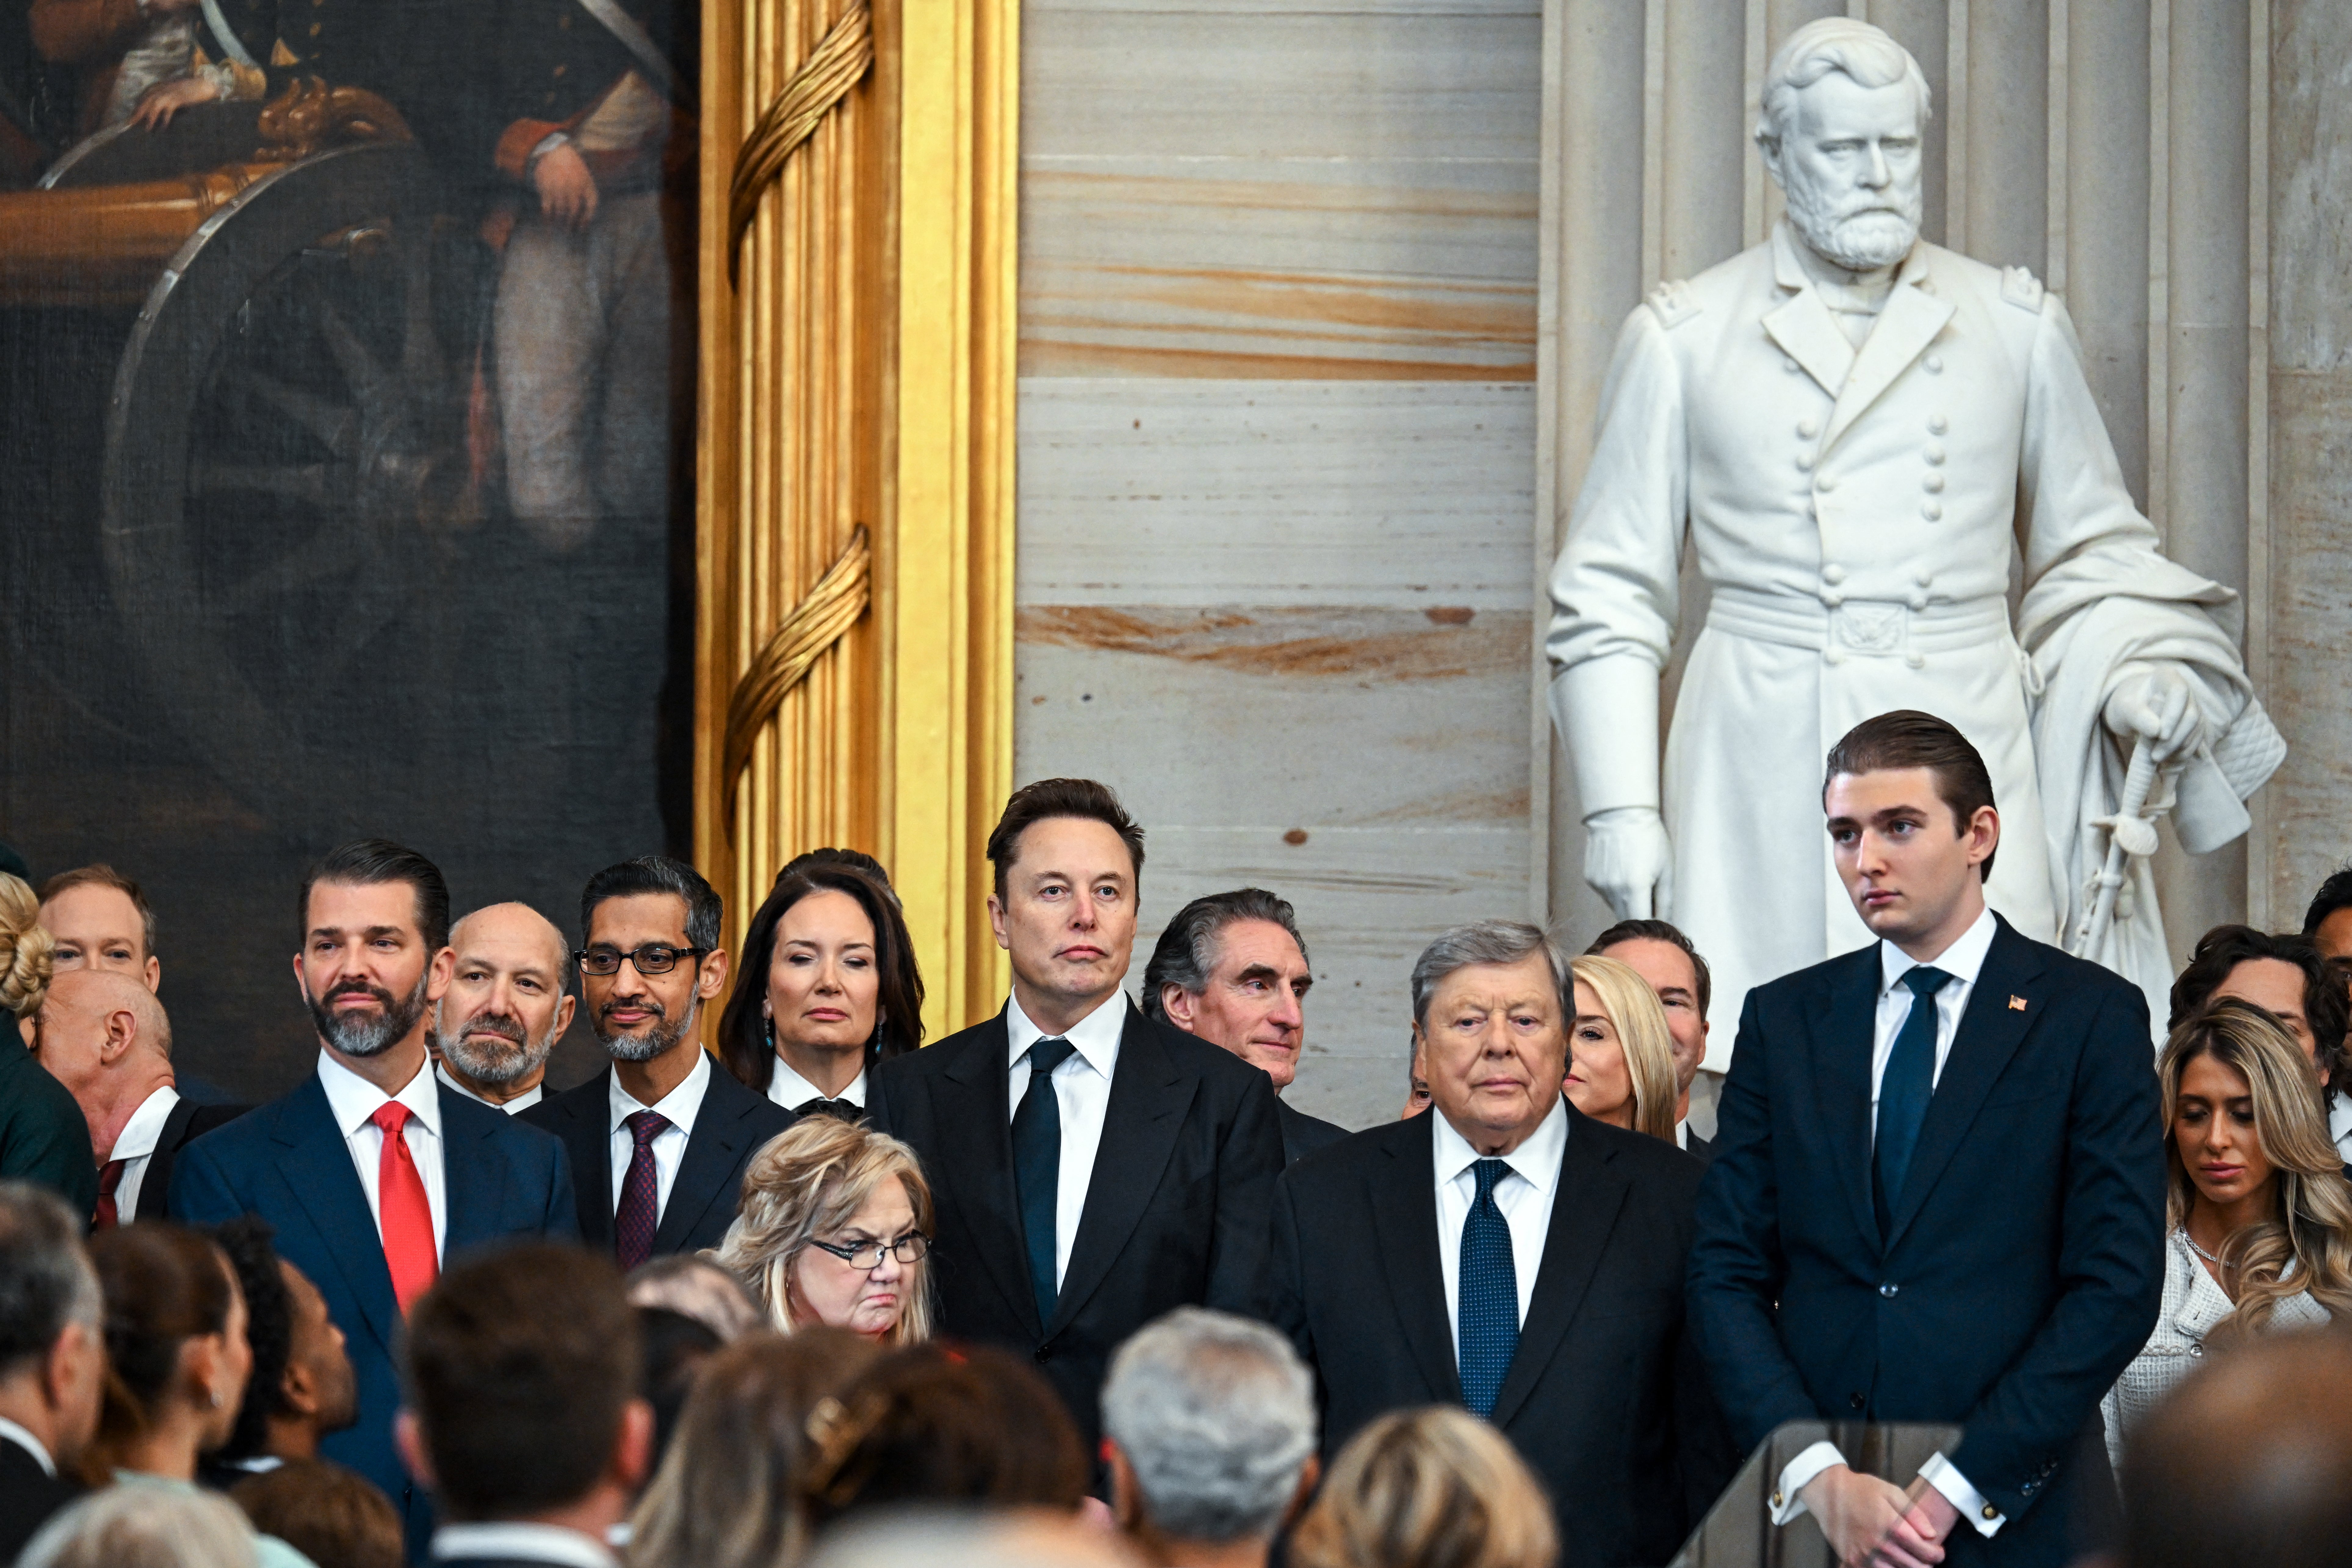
x=1232, y=969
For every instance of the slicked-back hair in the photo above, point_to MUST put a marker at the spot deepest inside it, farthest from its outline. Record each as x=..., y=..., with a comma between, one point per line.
x=1658, y=930
x=2326, y=1003
x=1908, y=738
x=519, y=1364
x=1187, y=953
x=1498, y=943
x=744, y=1041
x=658, y=874
x=101, y=875
x=268, y=1330
x=1046, y=798
x=367, y=862
x=45, y=1280
x=2336, y=893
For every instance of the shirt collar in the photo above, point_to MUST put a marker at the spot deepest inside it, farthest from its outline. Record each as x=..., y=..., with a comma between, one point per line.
x=1095, y=1036
x=145, y=1129
x=1962, y=960
x=522, y=1543
x=12, y=1433
x=1537, y=1160
x=520, y=1102
x=678, y=1107
x=354, y=1100
x=791, y=1090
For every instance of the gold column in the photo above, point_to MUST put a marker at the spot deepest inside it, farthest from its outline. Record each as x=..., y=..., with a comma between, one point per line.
x=857, y=369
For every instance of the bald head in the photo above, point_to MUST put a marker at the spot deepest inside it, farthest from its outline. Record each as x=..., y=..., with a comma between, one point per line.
x=506, y=1005
x=103, y=1035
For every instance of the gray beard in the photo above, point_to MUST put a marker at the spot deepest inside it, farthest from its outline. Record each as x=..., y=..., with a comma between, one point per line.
x=1859, y=242
x=356, y=1036
x=657, y=1039
x=503, y=1064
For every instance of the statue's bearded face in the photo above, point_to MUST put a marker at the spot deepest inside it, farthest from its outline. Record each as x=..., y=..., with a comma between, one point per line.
x=1848, y=160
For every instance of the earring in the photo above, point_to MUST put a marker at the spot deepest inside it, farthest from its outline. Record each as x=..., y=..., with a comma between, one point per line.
x=768, y=1024
x=215, y=1393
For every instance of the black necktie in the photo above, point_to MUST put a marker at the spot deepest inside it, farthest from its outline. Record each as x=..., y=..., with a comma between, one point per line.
x=845, y=1110
x=1904, y=1091
x=1037, y=1166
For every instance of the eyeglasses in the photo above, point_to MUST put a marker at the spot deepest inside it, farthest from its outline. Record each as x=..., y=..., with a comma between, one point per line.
x=651, y=959
x=911, y=1248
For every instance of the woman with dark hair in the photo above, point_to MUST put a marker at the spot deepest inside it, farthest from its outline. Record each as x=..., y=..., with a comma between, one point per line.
x=177, y=1362
x=826, y=987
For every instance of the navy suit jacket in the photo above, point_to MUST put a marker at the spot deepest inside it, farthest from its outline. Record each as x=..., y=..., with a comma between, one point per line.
x=287, y=1162
x=1176, y=1207
x=732, y=1125
x=2024, y=1263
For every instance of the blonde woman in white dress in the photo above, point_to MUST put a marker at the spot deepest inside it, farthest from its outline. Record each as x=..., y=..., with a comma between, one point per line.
x=2261, y=1217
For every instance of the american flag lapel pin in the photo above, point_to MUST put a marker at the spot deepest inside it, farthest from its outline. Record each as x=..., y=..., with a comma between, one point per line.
x=2017, y=1003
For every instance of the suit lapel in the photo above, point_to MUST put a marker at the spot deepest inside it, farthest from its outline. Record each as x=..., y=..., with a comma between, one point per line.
x=1149, y=1095
x=1906, y=324
x=975, y=1141
x=1845, y=1028
x=587, y=1118
x=473, y=1176
x=1988, y=1036
x=1402, y=1193
x=1584, y=1205
x=1809, y=334
x=316, y=1165
x=155, y=1186
x=713, y=1151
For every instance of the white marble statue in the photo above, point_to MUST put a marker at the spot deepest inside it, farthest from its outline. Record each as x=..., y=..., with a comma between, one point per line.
x=1901, y=495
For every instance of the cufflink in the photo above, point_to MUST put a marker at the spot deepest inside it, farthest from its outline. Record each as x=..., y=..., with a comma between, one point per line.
x=1991, y=1512
x=1776, y=1500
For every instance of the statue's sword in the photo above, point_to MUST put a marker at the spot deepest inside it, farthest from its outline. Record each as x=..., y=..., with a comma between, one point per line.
x=2131, y=832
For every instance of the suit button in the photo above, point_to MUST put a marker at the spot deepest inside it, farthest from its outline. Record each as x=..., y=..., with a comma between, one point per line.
x=1938, y=424
x=1924, y=577
x=1890, y=1290
x=1834, y=656
x=1833, y=573
x=1809, y=428
x=1934, y=364
x=1933, y=483
x=1854, y=1400
x=1791, y=366
x=1825, y=484
x=1932, y=511
x=1833, y=597
x=1935, y=453
x=1044, y=1354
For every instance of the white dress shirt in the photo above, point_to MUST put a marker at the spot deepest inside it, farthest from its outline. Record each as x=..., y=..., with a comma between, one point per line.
x=135, y=1145
x=515, y=1107
x=514, y=1540
x=12, y=1433
x=1962, y=960
x=680, y=1105
x=353, y=1100
x=1082, y=1091
x=791, y=1090
x=2339, y=1125
x=1525, y=1196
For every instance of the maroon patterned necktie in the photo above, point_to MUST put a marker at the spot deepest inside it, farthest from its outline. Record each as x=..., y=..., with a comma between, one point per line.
x=639, y=1213
x=106, y=1218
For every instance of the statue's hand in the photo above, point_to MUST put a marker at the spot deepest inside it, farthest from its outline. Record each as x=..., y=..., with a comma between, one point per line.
x=1627, y=859
x=2159, y=707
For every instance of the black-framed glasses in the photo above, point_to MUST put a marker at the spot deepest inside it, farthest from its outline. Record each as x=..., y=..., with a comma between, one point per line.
x=654, y=958
x=911, y=1248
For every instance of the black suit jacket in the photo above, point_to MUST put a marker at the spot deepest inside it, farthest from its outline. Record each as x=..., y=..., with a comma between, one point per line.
x=1303, y=1135
x=2024, y=1265
x=28, y=1496
x=187, y=1122
x=1606, y=1398
x=288, y=1162
x=1698, y=1148
x=1176, y=1206
x=44, y=1137
x=728, y=1130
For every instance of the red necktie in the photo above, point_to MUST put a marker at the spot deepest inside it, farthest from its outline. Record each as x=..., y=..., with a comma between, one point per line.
x=108, y=1180
x=639, y=1214
x=402, y=1213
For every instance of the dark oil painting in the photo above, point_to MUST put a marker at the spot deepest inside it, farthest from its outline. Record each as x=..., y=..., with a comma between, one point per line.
x=346, y=409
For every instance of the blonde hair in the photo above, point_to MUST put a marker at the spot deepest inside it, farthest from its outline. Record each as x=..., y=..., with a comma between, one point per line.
x=1649, y=1044
x=1434, y=1488
x=27, y=955
x=809, y=1181
x=2305, y=1244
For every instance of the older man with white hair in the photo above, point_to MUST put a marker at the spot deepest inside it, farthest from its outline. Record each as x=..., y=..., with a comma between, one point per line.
x=1858, y=432
x=508, y=1002
x=1208, y=1422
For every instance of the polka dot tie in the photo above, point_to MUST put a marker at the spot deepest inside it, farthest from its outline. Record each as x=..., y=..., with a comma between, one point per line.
x=1488, y=1317
x=639, y=1214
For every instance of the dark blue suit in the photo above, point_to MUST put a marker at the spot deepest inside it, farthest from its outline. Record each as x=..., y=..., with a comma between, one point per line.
x=2024, y=1265
x=288, y=1162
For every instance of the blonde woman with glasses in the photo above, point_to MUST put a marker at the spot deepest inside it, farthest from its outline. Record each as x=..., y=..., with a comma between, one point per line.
x=2261, y=1218
x=834, y=1229
x=1621, y=1052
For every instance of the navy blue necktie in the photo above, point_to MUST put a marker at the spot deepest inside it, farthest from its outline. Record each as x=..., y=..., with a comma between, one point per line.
x=1037, y=1166
x=1487, y=1319
x=1904, y=1092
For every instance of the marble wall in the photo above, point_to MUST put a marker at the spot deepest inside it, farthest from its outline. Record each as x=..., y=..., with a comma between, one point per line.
x=1277, y=556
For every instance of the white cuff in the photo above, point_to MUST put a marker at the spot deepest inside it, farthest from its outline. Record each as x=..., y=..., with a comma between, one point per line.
x=1941, y=1474
x=1788, y=1494
x=1606, y=710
